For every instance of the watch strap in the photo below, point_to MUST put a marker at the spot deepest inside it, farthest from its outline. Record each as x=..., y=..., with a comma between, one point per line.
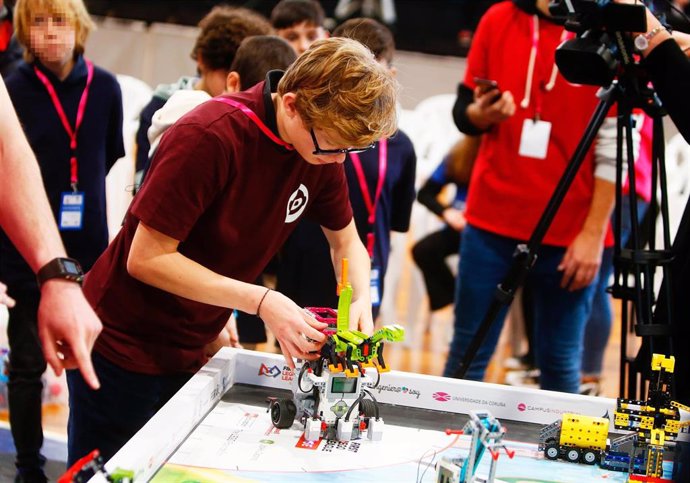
x=61, y=267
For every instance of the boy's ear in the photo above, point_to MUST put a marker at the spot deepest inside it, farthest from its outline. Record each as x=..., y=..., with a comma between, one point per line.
x=233, y=83
x=289, y=105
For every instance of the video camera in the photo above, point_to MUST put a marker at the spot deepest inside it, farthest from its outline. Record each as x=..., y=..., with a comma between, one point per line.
x=594, y=56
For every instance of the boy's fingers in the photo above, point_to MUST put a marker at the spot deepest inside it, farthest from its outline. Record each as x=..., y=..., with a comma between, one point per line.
x=313, y=334
x=50, y=354
x=83, y=360
x=286, y=355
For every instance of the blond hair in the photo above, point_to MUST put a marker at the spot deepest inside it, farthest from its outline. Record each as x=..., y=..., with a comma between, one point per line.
x=341, y=88
x=74, y=11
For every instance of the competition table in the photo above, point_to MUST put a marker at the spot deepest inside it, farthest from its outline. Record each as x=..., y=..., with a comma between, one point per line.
x=217, y=429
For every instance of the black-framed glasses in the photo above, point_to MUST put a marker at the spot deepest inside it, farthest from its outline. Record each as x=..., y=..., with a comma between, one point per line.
x=319, y=151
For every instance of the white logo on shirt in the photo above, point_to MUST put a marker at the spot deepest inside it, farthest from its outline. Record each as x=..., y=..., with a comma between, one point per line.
x=297, y=203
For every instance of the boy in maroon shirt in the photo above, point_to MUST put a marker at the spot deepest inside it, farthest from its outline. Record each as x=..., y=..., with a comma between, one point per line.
x=227, y=185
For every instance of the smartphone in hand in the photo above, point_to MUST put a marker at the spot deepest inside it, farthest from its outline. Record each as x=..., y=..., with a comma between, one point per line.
x=487, y=85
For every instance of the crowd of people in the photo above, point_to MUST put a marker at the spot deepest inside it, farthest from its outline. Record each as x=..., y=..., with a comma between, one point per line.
x=282, y=156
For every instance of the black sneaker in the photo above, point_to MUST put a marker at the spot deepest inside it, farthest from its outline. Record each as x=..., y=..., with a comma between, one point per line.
x=34, y=476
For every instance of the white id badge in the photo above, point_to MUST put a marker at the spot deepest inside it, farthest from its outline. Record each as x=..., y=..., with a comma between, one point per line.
x=71, y=214
x=534, y=141
x=375, y=288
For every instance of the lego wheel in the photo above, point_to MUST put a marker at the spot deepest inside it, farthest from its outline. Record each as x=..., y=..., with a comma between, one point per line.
x=573, y=455
x=368, y=408
x=283, y=413
x=589, y=457
x=551, y=451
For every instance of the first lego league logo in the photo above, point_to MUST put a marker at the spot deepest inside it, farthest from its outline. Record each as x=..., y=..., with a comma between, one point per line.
x=275, y=371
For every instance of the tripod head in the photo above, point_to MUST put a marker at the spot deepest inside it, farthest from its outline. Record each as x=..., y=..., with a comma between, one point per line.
x=600, y=51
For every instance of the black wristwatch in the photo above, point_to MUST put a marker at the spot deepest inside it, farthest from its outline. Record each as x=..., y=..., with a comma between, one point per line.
x=65, y=268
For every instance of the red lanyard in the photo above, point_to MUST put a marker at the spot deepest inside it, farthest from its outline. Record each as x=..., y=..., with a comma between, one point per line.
x=72, y=133
x=364, y=187
x=252, y=115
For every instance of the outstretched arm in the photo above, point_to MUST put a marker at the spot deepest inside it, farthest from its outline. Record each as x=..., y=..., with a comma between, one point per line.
x=67, y=324
x=155, y=260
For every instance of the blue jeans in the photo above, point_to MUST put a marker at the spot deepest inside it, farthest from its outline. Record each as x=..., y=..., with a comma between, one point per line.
x=107, y=418
x=598, y=328
x=559, y=315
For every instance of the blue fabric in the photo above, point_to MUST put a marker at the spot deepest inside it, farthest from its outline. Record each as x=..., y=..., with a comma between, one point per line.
x=559, y=315
x=99, y=145
x=440, y=176
x=598, y=327
x=106, y=419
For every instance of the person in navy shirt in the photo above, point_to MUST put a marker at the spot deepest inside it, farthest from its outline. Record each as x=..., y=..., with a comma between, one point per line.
x=71, y=112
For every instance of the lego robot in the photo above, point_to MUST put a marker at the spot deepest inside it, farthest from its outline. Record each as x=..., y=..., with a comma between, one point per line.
x=333, y=395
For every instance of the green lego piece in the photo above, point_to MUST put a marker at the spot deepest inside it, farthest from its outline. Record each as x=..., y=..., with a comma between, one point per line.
x=122, y=476
x=354, y=346
x=344, y=302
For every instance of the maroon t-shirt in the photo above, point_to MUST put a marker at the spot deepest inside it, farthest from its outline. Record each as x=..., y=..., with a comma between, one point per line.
x=231, y=196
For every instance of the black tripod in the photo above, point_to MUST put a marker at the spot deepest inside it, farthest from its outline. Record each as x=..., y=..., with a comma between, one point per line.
x=628, y=93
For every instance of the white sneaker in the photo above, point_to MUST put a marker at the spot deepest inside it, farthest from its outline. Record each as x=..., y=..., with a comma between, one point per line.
x=517, y=363
x=529, y=378
x=590, y=388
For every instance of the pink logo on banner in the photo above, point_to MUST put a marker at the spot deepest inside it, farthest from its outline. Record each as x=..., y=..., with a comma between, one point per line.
x=441, y=396
x=521, y=407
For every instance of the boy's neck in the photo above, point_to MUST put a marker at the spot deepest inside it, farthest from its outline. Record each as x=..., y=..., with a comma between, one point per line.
x=60, y=69
x=277, y=106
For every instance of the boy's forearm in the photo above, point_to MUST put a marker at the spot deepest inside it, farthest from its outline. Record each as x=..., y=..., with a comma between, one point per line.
x=155, y=260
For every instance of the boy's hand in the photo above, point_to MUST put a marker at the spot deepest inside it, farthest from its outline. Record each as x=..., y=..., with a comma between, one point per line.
x=581, y=261
x=454, y=218
x=4, y=298
x=494, y=109
x=360, y=316
x=298, y=334
x=227, y=338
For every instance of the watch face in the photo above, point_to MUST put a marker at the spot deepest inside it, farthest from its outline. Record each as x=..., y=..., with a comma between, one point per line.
x=70, y=267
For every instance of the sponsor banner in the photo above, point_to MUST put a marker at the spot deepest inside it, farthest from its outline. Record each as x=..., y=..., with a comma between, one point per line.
x=441, y=394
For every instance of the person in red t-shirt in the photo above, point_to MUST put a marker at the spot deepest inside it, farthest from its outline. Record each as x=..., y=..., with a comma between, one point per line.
x=533, y=121
x=10, y=49
x=227, y=185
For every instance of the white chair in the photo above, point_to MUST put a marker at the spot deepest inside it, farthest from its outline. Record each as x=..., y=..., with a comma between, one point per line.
x=120, y=180
x=432, y=131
